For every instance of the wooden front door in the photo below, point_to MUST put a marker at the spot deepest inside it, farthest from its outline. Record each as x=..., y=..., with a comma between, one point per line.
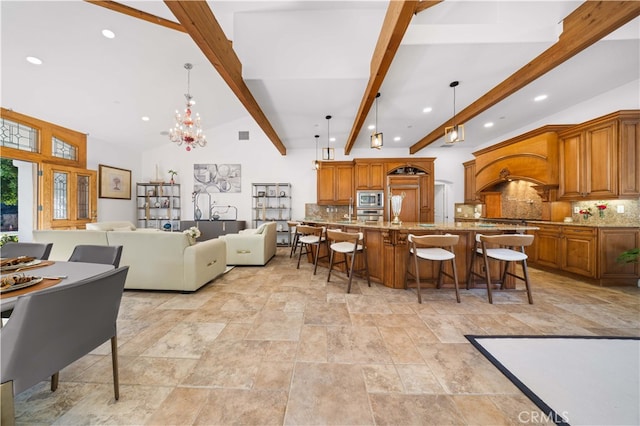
x=67, y=197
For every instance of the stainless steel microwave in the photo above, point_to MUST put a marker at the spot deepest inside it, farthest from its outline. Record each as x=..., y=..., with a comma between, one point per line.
x=370, y=199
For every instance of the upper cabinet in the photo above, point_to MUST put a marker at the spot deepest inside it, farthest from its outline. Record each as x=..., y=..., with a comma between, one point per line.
x=335, y=183
x=369, y=174
x=470, y=194
x=600, y=159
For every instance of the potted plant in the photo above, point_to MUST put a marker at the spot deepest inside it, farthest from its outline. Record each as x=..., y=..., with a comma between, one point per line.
x=172, y=173
x=629, y=256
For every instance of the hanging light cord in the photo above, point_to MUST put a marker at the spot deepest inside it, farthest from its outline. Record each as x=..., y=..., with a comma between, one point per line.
x=328, y=117
x=377, y=96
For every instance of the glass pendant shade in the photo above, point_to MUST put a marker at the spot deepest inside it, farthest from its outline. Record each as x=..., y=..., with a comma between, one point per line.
x=376, y=140
x=454, y=134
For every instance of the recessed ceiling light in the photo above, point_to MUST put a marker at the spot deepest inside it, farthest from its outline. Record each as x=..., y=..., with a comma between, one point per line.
x=397, y=139
x=489, y=124
x=332, y=139
x=427, y=109
x=33, y=60
x=108, y=33
x=540, y=98
x=145, y=118
x=371, y=127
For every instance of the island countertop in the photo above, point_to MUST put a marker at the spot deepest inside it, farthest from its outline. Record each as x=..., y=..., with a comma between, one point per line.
x=419, y=226
x=387, y=246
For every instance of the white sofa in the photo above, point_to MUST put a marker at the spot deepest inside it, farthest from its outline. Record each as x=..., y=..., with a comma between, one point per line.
x=251, y=246
x=157, y=260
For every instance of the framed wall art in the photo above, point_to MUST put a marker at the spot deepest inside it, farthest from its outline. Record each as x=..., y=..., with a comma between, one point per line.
x=114, y=182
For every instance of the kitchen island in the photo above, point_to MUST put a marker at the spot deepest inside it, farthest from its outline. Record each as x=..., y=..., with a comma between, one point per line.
x=387, y=246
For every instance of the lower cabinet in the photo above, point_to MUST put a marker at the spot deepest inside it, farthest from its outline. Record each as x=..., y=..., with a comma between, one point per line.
x=612, y=242
x=578, y=250
x=586, y=251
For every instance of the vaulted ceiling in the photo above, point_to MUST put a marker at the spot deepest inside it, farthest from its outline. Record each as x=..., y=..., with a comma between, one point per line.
x=290, y=63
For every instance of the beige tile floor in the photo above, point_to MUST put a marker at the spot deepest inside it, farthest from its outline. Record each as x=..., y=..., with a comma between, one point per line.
x=276, y=345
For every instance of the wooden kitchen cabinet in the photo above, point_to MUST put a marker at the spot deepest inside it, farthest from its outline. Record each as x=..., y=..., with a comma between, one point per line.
x=545, y=249
x=629, y=157
x=470, y=195
x=578, y=250
x=599, y=159
x=369, y=174
x=567, y=248
x=335, y=183
x=612, y=242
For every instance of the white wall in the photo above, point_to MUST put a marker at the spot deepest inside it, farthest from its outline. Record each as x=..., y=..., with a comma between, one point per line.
x=100, y=152
x=261, y=162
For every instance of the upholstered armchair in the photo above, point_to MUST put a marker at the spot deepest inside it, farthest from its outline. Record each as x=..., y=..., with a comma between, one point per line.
x=251, y=246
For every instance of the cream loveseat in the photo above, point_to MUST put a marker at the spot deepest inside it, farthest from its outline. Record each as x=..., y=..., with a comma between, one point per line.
x=251, y=246
x=157, y=260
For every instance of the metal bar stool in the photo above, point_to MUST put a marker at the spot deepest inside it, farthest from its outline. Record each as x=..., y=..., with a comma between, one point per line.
x=350, y=244
x=435, y=248
x=293, y=236
x=510, y=249
x=308, y=237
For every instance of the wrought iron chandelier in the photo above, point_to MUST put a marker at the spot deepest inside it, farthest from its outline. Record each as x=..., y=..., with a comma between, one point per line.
x=188, y=130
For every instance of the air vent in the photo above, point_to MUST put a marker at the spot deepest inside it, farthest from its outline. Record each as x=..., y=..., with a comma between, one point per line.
x=243, y=135
x=447, y=145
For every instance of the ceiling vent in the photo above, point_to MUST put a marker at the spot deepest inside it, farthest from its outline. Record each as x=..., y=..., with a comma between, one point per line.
x=243, y=135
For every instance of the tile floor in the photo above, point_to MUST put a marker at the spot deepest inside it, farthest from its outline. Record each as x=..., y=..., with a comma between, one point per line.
x=276, y=345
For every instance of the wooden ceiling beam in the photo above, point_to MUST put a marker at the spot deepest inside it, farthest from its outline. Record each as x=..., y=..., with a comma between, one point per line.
x=586, y=25
x=396, y=22
x=130, y=11
x=200, y=23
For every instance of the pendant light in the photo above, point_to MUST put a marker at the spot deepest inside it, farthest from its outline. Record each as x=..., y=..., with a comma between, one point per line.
x=188, y=129
x=316, y=163
x=328, y=153
x=454, y=133
x=376, y=138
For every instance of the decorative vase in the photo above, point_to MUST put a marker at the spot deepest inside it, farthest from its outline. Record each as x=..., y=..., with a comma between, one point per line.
x=585, y=216
x=601, y=212
x=396, y=207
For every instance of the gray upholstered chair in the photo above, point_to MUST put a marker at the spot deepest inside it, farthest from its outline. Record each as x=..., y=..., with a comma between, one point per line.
x=108, y=255
x=53, y=328
x=15, y=249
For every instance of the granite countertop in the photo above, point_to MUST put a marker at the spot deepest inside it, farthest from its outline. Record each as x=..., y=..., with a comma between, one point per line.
x=584, y=224
x=418, y=226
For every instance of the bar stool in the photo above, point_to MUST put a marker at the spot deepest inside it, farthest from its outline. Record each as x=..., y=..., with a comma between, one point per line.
x=308, y=237
x=510, y=249
x=350, y=244
x=293, y=236
x=435, y=248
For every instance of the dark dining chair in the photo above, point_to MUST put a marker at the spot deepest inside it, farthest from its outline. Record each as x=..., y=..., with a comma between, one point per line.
x=108, y=255
x=52, y=328
x=15, y=249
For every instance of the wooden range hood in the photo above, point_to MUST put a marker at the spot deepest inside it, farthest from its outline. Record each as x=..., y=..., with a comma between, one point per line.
x=532, y=157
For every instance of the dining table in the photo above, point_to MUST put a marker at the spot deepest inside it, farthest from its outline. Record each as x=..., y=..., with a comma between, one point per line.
x=56, y=273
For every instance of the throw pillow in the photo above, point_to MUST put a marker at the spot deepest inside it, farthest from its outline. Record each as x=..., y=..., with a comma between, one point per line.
x=261, y=228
